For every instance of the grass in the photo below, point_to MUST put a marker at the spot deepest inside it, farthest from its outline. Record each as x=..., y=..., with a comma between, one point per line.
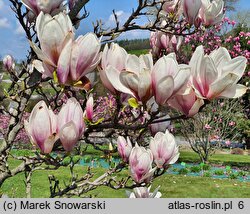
x=225, y=159
x=139, y=52
x=185, y=156
x=172, y=186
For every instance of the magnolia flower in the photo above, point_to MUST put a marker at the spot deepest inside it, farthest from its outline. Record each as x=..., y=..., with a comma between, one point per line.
x=211, y=13
x=112, y=58
x=135, y=79
x=161, y=41
x=144, y=192
x=191, y=10
x=9, y=63
x=161, y=126
x=78, y=58
x=70, y=124
x=53, y=34
x=140, y=164
x=47, y=6
x=89, y=112
x=168, y=78
x=42, y=126
x=124, y=148
x=216, y=75
x=164, y=149
x=188, y=103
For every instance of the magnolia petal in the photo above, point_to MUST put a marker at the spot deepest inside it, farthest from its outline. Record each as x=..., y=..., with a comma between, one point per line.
x=48, y=145
x=221, y=85
x=146, y=62
x=144, y=85
x=164, y=90
x=181, y=78
x=132, y=64
x=114, y=77
x=63, y=67
x=236, y=66
x=220, y=57
x=234, y=91
x=130, y=80
x=41, y=55
x=69, y=136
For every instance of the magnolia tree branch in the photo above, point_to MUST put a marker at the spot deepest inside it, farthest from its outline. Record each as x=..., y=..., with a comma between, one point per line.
x=79, y=5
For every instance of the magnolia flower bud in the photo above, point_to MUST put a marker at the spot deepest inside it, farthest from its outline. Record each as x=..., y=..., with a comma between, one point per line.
x=164, y=149
x=70, y=124
x=89, y=112
x=124, y=148
x=140, y=164
x=42, y=127
x=8, y=63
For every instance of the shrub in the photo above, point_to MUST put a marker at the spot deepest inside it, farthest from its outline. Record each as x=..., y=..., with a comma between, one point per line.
x=205, y=167
x=207, y=174
x=219, y=172
x=195, y=169
x=183, y=171
x=233, y=175
x=242, y=173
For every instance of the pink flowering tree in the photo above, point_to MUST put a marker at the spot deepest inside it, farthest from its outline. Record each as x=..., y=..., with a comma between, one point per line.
x=216, y=126
x=133, y=120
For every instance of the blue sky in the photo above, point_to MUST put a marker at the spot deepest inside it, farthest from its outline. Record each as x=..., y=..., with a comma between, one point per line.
x=12, y=37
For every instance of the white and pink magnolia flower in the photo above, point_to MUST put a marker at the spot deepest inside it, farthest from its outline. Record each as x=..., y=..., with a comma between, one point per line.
x=168, y=78
x=140, y=164
x=188, y=103
x=161, y=41
x=124, y=148
x=9, y=63
x=78, y=58
x=71, y=59
x=89, y=112
x=211, y=13
x=191, y=10
x=164, y=149
x=42, y=127
x=52, y=7
x=53, y=34
x=113, y=58
x=70, y=124
x=216, y=75
x=144, y=192
x=135, y=79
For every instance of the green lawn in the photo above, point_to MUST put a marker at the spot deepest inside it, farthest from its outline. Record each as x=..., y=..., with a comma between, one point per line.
x=172, y=186
x=185, y=156
x=225, y=159
x=178, y=186
x=139, y=52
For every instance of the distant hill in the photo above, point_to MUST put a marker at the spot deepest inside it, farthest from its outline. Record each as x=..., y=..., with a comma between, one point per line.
x=134, y=44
